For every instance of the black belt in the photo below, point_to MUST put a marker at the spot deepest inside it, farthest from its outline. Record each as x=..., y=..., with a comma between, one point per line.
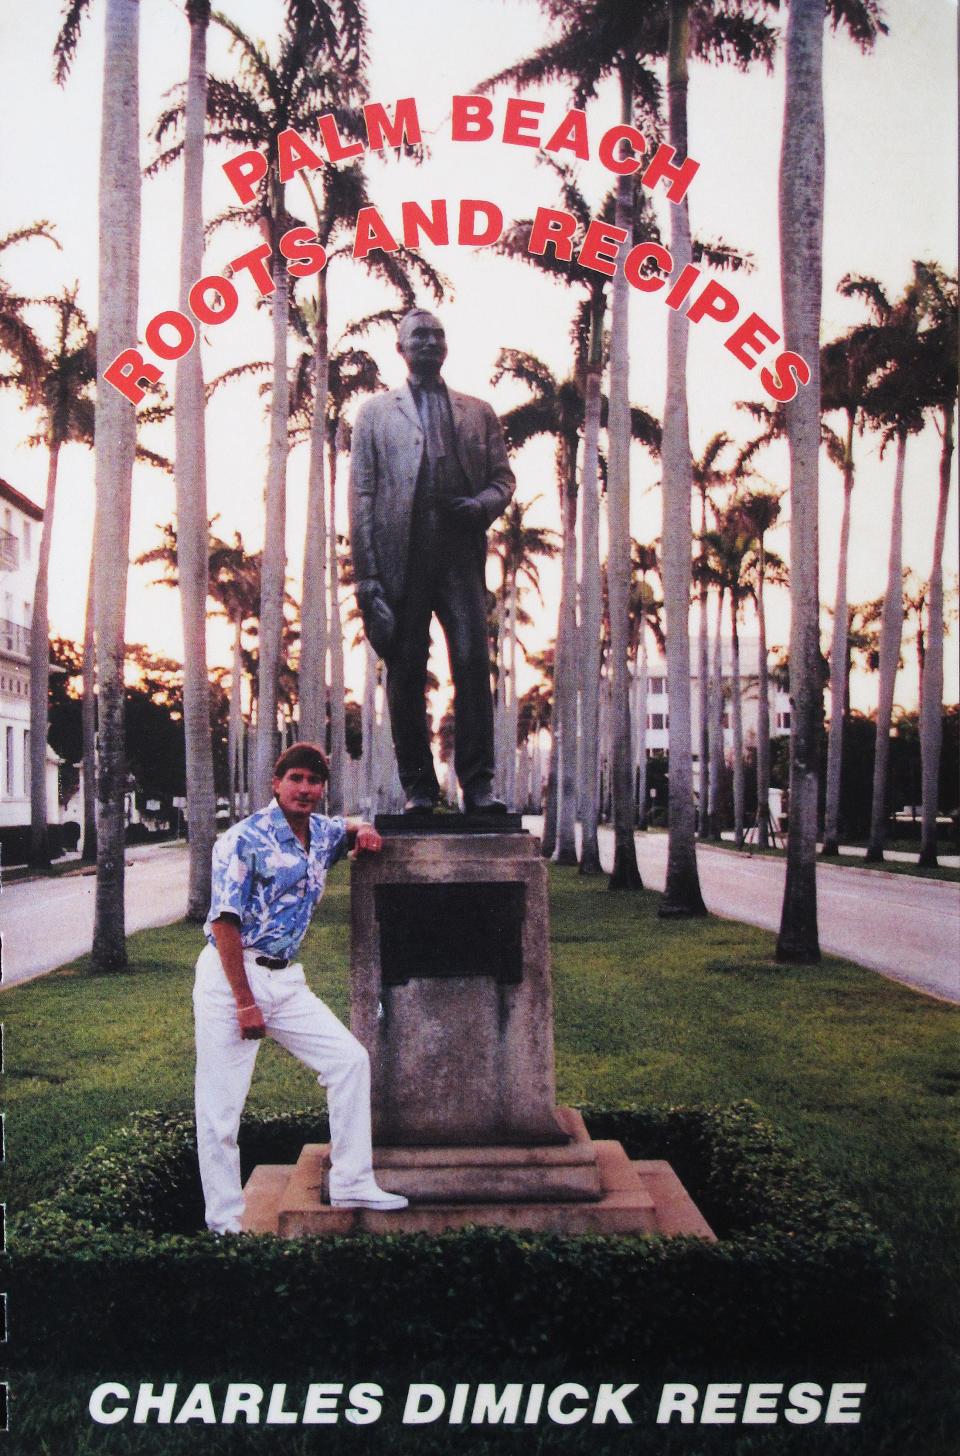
x=271, y=964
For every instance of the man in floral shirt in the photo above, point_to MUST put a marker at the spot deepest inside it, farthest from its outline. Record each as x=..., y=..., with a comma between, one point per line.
x=268, y=875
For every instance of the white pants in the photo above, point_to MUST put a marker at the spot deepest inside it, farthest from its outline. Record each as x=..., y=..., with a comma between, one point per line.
x=299, y=1021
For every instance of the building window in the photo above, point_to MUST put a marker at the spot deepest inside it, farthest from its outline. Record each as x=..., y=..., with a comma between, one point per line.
x=657, y=685
x=8, y=765
x=657, y=721
x=27, y=541
x=783, y=720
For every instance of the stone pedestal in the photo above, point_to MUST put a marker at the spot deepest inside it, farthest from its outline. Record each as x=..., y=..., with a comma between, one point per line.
x=450, y=990
x=451, y=995
x=632, y=1197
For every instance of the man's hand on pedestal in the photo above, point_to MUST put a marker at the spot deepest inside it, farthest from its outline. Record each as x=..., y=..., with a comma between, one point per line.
x=363, y=839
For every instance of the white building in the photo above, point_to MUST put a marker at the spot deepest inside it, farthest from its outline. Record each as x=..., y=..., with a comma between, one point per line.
x=658, y=706
x=20, y=522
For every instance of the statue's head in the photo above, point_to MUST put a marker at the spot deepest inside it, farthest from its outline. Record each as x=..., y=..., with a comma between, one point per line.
x=421, y=342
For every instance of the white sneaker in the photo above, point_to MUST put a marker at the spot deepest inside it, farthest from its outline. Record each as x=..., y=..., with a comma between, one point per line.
x=378, y=1199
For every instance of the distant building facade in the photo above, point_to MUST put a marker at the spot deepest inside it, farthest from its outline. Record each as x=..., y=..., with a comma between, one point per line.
x=658, y=705
x=20, y=523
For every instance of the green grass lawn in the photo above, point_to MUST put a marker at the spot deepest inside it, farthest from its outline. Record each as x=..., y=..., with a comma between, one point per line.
x=861, y=1072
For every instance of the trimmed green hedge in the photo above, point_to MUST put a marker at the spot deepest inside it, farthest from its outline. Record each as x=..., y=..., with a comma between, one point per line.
x=113, y=1268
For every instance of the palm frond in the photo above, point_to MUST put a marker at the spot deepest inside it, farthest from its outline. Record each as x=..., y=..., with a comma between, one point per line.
x=68, y=36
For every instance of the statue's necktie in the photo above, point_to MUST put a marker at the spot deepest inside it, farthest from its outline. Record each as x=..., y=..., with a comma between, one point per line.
x=434, y=416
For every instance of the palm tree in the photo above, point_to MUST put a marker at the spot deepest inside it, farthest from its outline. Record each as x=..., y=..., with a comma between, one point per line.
x=801, y=273
x=320, y=65
x=589, y=323
x=347, y=373
x=576, y=56
x=191, y=486
x=707, y=476
x=939, y=385
x=599, y=38
x=730, y=547
x=232, y=580
x=520, y=547
x=892, y=403
x=845, y=366
x=66, y=401
x=115, y=439
x=645, y=615
x=18, y=341
x=556, y=408
x=234, y=584
x=59, y=383
x=761, y=510
x=740, y=37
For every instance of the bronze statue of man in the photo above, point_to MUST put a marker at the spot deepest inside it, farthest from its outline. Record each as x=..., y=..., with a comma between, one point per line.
x=428, y=474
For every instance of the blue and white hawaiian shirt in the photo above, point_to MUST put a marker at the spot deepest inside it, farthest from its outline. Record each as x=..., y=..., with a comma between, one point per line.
x=263, y=875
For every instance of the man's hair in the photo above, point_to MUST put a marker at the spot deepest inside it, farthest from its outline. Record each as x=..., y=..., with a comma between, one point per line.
x=406, y=322
x=303, y=755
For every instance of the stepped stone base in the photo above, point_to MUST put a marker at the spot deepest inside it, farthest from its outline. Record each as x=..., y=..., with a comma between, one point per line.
x=597, y=1189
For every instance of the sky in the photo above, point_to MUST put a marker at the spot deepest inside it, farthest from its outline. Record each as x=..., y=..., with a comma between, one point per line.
x=891, y=198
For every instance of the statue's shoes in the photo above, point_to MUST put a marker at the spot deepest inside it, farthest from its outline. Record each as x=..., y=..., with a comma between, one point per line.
x=378, y=1199
x=485, y=803
x=419, y=804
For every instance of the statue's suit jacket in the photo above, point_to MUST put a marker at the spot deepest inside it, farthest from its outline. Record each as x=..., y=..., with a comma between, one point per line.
x=385, y=459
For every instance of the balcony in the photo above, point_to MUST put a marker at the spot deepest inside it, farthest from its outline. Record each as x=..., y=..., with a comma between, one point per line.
x=9, y=551
x=14, y=638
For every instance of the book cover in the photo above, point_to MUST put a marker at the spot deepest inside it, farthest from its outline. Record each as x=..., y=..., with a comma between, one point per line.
x=855, y=1072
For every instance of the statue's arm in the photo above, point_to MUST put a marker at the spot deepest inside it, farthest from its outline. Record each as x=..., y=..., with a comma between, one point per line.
x=363, y=489
x=501, y=482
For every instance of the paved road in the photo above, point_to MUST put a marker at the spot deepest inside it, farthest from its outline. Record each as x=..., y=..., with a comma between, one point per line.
x=46, y=923
x=904, y=927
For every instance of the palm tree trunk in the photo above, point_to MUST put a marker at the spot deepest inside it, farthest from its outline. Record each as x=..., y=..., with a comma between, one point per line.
x=89, y=726
x=590, y=604
x=839, y=653
x=368, y=726
x=500, y=695
x=40, y=674
x=235, y=727
x=931, y=703
x=313, y=608
x=801, y=273
x=763, y=710
x=891, y=630
x=641, y=724
x=193, y=531
x=626, y=872
x=274, y=549
x=513, y=712
x=682, y=891
x=716, y=722
x=704, y=689
x=736, y=711
x=549, y=842
x=566, y=687
x=116, y=430
x=338, y=709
